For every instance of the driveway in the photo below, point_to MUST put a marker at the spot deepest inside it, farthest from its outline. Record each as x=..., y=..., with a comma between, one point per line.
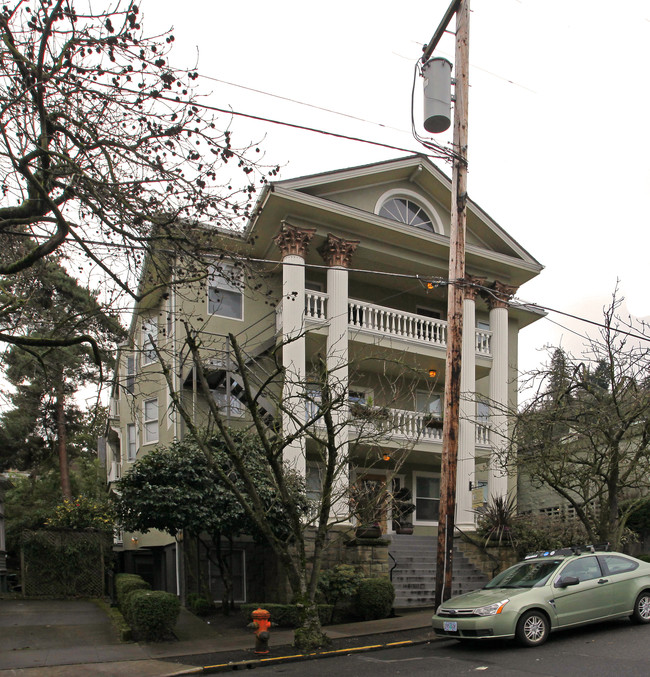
x=36, y=633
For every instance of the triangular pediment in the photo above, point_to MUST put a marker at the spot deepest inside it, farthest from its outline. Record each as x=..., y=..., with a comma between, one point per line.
x=367, y=187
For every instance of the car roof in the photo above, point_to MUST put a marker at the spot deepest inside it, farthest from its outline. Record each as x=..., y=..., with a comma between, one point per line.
x=572, y=551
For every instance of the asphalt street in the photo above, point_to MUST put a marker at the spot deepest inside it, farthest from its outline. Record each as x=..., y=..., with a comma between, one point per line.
x=615, y=648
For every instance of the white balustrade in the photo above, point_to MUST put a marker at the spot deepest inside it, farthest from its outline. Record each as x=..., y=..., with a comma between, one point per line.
x=315, y=306
x=388, y=322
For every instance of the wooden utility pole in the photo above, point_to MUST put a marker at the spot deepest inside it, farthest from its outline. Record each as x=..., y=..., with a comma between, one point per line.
x=446, y=519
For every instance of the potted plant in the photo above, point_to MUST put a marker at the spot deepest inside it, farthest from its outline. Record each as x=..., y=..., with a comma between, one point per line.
x=367, y=411
x=433, y=421
x=403, y=508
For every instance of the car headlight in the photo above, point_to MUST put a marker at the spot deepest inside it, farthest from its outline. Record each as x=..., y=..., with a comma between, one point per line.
x=438, y=610
x=491, y=609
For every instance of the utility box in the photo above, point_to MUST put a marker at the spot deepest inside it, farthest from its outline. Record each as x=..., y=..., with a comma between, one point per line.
x=437, y=95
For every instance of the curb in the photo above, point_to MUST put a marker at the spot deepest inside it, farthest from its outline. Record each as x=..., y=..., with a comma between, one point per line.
x=261, y=662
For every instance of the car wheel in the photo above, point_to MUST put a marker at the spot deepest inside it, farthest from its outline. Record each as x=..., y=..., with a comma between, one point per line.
x=532, y=628
x=641, y=613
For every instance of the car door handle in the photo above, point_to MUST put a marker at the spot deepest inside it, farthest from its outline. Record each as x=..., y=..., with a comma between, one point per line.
x=602, y=580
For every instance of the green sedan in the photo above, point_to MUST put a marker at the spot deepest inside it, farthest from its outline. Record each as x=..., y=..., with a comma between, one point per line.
x=547, y=592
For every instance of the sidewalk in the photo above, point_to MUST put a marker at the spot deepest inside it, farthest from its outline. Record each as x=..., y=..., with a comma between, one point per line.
x=75, y=639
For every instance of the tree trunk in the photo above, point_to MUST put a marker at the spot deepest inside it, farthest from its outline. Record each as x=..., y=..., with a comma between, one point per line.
x=62, y=441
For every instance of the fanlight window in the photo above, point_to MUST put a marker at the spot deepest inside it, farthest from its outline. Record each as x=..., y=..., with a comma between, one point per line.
x=406, y=211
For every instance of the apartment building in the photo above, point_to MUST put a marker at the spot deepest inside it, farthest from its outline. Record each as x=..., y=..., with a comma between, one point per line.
x=352, y=272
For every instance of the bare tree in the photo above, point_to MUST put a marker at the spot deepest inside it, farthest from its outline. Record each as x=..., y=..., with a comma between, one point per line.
x=586, y=433
x=320, y=416
x=106, y=153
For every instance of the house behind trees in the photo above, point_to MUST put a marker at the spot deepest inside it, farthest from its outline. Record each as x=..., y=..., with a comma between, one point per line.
x=346, y=269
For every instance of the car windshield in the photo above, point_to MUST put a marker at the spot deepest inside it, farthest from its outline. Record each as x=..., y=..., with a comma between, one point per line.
x=525, y=574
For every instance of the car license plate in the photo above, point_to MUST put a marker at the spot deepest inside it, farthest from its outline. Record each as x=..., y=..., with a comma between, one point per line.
x=450, y=626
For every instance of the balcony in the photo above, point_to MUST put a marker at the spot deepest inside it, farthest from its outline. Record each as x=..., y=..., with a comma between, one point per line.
x=368, y=318
x=395, y=425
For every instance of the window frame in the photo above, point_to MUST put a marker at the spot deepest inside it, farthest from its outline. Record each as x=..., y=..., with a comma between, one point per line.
x=417, y=199
x=147, y=422
x=131, y=370
x=427, y=475
x=131, y=445
x=219, y=282
x=148, y=327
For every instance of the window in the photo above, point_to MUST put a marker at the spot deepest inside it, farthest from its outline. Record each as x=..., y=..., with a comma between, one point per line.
x=484, y=326
x=427, y=498
x=584, y=569
x=131, y=443
x=429, y=403
x=482, y=413
x=225, y=296
x=407, y=211
x=313, y=397
x=314, y=483
x=618, y=565
x=149, y=339
x=150, y=421
x=359, y=397
x=130, y=374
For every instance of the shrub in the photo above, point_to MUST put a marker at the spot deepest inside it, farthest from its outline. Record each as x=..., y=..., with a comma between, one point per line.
x=375, y=598
x=286, y=615
x=531, y=533
x=199, y=605
x=151, y=613
x=125, y=584
x=339, y=584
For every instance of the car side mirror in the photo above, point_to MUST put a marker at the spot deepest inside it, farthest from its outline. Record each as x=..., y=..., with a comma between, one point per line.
x=567, y=581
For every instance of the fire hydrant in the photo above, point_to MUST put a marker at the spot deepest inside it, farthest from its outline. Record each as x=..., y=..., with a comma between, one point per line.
x=262, y=625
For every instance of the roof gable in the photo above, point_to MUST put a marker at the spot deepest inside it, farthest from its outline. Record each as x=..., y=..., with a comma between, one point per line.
x=366, y=187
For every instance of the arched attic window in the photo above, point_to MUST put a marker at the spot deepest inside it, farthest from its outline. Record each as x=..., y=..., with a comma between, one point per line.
x=409, y=208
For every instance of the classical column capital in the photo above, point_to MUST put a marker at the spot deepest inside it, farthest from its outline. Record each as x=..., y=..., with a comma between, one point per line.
x=293, y=240
x=500, y=295
x=473, y=286
x=338, y=252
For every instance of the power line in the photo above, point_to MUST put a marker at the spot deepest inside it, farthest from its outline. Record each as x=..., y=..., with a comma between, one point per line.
x=441, y=152
x=303, y=103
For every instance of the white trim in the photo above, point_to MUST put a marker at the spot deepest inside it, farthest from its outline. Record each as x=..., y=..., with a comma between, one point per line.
x=128, y=459
x=436, y=221
x=145, y=420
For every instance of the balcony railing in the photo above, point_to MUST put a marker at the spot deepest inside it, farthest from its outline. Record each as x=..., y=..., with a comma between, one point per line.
x=384, y=321
x=396, y=424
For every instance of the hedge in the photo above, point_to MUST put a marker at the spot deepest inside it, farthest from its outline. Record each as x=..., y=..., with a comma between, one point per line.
x=375, y=598
x=151, y=613
x=126, y=583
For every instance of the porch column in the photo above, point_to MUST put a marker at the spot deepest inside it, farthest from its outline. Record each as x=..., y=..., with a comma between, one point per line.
x=293, y=243
x=498, y=304
x=337, y=254
x=467, y=430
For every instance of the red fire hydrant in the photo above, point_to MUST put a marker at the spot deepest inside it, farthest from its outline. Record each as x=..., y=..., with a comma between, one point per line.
x=262, y=624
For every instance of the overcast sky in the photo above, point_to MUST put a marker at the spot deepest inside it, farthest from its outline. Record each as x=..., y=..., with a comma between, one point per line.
x=559, y=115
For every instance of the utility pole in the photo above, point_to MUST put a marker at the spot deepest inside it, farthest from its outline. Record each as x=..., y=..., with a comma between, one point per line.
x=450, y=431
